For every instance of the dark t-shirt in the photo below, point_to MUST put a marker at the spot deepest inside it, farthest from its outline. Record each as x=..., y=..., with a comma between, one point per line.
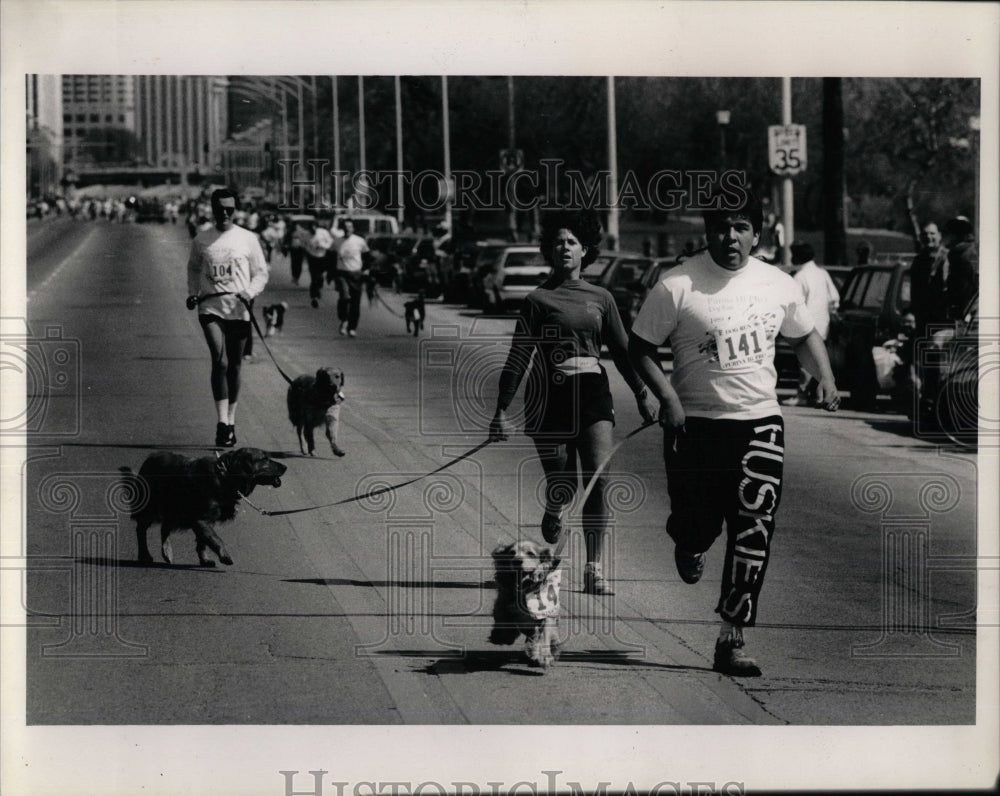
x=572, y=319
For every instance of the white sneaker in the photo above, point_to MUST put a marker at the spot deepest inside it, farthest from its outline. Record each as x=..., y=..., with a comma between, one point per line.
x=351, y=333
x=343, y=328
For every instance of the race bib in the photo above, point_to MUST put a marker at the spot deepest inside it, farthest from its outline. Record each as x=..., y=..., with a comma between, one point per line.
x=543, y=602
x=741, y=345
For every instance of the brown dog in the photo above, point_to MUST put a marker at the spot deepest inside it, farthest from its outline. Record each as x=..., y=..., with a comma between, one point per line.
x=182, y=493
x=527, y=578
x=313, y=400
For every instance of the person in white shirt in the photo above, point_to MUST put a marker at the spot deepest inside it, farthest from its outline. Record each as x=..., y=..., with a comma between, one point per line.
x=721, y=312
x=350, y=278
x=317, y=247
x=226, y=268
x=822, y=301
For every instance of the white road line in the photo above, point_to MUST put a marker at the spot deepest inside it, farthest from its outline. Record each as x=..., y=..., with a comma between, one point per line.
x=66, y=260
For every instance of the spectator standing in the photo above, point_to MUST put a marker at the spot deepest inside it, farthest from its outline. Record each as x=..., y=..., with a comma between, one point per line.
x=350, y=279
x=822, y=301
x=722, y=311
x=927, y=280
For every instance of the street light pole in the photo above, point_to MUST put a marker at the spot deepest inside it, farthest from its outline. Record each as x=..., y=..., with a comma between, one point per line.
x=399, y=147
x=613, y=167
x=787, y=195
x=447, y=151
x=336, y=142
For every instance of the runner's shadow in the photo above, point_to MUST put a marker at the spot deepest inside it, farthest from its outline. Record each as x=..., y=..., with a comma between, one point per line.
x=131, y=563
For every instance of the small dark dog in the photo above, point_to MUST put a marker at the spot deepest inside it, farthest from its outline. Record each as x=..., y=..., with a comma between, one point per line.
x=415, y=314
x=274, y=317
x=313, y=400
x=527, y=578
x=181, y=493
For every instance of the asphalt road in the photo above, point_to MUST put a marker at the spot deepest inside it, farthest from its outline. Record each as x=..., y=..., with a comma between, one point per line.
x=377, y=612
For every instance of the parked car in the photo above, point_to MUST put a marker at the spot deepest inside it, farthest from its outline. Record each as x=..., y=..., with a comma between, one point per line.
x=871, y=311
x=619, y=273
x=507, y=274
x=656, y=268
x=948, y=365
x=367, y=224
x=484, y=257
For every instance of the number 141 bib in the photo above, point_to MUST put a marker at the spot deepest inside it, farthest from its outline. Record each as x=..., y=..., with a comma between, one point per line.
x=741, y=345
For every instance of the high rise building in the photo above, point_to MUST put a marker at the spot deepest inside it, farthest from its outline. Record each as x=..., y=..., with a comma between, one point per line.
x=96, y=110
x=43, y=133
x=181, y=119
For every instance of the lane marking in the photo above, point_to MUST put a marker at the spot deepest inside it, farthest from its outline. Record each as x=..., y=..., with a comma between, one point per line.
x=58, y=269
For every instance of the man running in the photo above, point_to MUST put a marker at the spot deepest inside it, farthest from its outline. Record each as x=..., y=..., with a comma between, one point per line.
x=721, y=311
x=226, y=268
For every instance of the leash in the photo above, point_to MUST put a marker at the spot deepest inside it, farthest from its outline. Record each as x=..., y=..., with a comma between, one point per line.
x=382, y=301
x=600, y=469
x=194, y=301
x=374, y=492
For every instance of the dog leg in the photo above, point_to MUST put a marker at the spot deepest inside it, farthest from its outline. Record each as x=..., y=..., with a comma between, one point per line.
x=141, y=526
x=332, y=421
x=166, y=528
x=207, y=537
x=310, y=440
x=302, y=447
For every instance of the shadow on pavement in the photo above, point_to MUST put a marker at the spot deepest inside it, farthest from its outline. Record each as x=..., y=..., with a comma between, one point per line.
x=495, y=660
x=104, y=561
x=403, y=584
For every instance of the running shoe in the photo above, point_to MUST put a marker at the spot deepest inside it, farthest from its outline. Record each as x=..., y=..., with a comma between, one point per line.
x=551, y=527
x=594, y=581
x=690, y=566
x=343, y=328
x=225, y=435
x=730, y=659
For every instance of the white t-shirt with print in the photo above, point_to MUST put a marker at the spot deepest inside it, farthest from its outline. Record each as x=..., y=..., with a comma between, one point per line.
x=722, y=326
x=350, y=251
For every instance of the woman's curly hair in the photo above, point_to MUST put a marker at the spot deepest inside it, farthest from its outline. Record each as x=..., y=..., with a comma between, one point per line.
x=584, y=225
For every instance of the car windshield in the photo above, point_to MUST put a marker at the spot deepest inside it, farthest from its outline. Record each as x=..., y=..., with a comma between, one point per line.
x=594, y=271
x=878, y=286
x=627, y=272
x=524, y=258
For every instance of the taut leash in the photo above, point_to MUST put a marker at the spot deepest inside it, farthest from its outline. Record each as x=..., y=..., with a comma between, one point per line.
x=600, y=469
x=194, y=301
x=374, y=492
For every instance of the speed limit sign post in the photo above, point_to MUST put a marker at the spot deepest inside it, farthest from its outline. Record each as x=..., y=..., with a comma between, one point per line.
x=786, y=148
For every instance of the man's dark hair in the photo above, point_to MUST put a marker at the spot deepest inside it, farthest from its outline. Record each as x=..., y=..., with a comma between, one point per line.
x=959, y=227
x=584, y=225
x=802, y=253
x=734, y=204
x=223, y=193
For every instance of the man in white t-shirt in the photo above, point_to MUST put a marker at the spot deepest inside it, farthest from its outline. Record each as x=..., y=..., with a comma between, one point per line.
x=350, y=278
x=317, y=247
x=721, y=312
x=822, y=301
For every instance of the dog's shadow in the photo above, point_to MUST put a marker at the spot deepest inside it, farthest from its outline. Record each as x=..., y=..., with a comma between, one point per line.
x=512, y=660
x=133, y=563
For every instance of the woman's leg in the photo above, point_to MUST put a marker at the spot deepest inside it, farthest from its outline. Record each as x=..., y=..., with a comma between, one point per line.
x=559, y=464
x=594, y=445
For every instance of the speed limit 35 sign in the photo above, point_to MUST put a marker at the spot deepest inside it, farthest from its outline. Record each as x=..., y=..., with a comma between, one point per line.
x=786, y=148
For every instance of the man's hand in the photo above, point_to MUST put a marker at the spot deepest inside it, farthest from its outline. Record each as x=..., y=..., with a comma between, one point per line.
x=672, y=413
x=498, y=427
x=827, y=395
x=192, y=302
x=647, y=406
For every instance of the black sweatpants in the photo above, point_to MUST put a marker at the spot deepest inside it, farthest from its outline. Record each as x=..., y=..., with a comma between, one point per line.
x=727, y=471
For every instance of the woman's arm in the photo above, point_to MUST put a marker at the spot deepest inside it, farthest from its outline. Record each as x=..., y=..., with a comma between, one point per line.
x=617, y=341
x=522, y=347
